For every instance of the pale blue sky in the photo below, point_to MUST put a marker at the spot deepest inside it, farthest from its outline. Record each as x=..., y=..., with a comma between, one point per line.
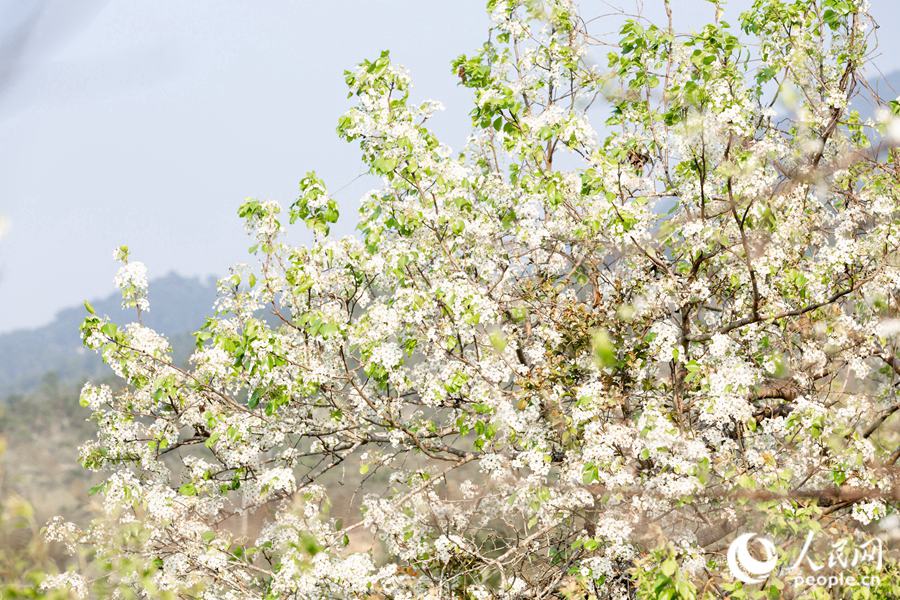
x=147, y=122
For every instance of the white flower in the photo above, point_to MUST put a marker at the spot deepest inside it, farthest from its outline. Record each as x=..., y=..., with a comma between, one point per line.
x=388, y=355
x=131, y=279
x=664, y=344
x=275, y=480
x=866, y=512
x=72, y=582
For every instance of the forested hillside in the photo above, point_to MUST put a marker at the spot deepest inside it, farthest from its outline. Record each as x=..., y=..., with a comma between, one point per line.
x=27, y=356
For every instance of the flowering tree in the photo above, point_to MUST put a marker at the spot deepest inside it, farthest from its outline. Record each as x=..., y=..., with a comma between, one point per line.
x=560, y=363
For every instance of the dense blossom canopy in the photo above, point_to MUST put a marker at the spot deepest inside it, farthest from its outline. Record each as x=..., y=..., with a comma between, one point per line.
x=652, y=304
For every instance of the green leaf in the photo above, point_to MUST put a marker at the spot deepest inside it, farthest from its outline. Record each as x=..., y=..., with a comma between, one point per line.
x=498, y=340
x=188, y=489
x=254, y=398
x=668, y=567
x=685, y=589
x=384, y=165
x=604, y=350
x=590, y=474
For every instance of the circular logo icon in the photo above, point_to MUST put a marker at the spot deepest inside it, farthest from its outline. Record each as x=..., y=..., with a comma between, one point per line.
x=744, y=566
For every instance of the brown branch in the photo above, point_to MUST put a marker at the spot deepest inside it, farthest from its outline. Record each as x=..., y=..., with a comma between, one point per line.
x=705, y=337
x=884, y=416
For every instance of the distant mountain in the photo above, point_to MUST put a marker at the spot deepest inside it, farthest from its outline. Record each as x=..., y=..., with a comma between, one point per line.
x=178, y=306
